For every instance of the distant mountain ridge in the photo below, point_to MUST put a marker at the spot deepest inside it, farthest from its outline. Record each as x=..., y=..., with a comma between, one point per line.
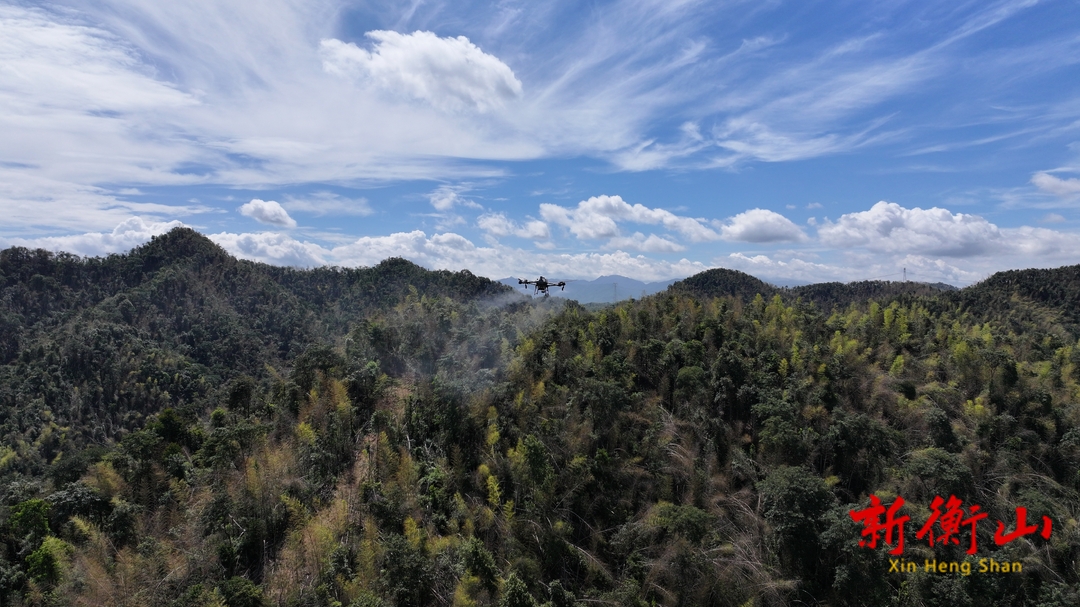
x=1052, y=295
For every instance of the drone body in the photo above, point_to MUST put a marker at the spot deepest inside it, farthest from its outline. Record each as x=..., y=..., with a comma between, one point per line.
x=541, y=285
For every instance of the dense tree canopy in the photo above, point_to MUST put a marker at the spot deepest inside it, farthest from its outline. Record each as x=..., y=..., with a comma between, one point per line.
x=183, y=428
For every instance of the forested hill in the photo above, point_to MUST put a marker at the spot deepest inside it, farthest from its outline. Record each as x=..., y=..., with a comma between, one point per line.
x=721, y=282
x=827, y=295
x=1051, y=294
x=183, y=273
x=1056, y=292
x=90, y=346
x=184, y=290
x=184, y=429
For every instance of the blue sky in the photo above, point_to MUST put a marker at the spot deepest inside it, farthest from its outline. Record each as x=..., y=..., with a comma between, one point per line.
x=797, y=141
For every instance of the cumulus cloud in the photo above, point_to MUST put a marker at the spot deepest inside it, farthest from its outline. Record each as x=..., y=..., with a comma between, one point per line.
x=268, y=212
x=889, y=227
x=125, y=236
x=452, y=251
x=933, y=244
x=451, y=74
x=1036, y=243
x=791, y=268
x=440, y=251
x=761, y=225
x=598, y=218
x=497, y=224
x=650, y=244
x=1066, y=188
x=446, y=250
x=272, y=248
x=1018, y=248
x=860, y=267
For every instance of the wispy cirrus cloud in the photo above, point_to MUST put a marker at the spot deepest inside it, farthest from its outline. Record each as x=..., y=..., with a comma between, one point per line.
x=446, y=197
x=1068, y=187
x=328, y=203
x=178, y=93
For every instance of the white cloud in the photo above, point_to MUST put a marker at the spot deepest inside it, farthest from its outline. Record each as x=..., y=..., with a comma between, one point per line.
x=451, y=74
x=749, y=138
x=141, y=93
x=650, y=244
x=268, y=212
x=31, y=202
x=119, y=93
x=1041, y=245
x=77, y=109
x=272, y=248
x=1014, y=248
x=933, y=244
x=793, y=268
x=125, y=236
x=77, y=67
x=1028, y=247
x=454, y=252
x=889, y=227
x=1052, y=218
x=761, y=225
x=598, y=217
x=860, y=267
x=446, y=197
x=326, y=203
x=370, y=250
x=173, y=94
x=1065, y=188
x=497, y=224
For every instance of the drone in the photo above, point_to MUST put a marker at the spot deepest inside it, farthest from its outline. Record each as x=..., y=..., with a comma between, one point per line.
x=542, y=285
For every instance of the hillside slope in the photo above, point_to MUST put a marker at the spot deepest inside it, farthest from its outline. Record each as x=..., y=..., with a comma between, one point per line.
x=90, y=347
